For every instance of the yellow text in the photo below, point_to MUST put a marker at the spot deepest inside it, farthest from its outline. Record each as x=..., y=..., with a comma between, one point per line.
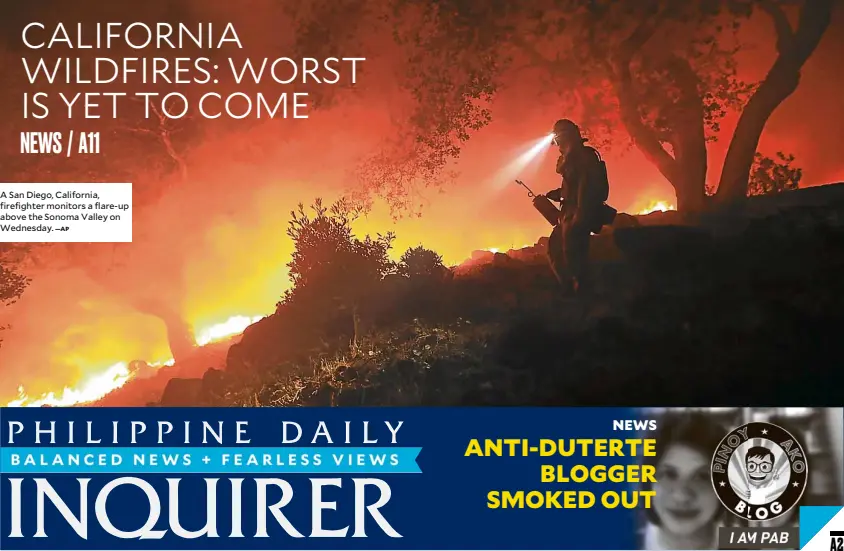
x=566, y=447
x=569, y=499
x=599, y=473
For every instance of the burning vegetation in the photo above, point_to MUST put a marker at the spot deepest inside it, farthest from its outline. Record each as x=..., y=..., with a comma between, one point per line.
x=367, y=315
x=359, y=329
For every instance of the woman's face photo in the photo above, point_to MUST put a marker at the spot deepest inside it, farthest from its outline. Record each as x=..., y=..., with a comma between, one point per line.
x=685, y=501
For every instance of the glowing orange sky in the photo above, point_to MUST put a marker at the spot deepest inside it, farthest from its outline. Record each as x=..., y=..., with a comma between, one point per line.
x=228, y=222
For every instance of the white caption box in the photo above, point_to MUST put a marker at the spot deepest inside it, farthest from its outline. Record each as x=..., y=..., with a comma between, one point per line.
x=66, y=213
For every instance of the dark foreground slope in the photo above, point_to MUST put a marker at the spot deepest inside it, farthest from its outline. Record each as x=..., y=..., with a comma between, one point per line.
x=739, y=310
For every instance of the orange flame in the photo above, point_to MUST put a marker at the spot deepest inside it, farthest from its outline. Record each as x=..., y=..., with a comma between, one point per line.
x=115, y=376
x=657, y=206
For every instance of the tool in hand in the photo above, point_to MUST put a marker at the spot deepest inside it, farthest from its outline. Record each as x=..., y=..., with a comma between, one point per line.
x=544, y=205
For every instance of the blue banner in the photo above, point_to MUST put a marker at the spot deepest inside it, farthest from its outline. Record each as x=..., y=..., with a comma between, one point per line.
x=215, y=460
x=386, y=478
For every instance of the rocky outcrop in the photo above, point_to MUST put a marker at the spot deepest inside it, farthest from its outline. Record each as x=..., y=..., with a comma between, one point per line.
x=185, y=392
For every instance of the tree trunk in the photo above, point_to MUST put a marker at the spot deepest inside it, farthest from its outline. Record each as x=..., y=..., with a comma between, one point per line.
x=735, y=175
x=782, y=80
x=684, y=168
x=690, y=192
x=685, y=171
x=180, y=335
x=689, y=140
x=690, y=158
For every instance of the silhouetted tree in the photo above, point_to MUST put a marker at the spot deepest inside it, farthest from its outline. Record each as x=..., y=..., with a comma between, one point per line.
x=663, y=70
x=331, y=269
x=419, y=262
x=12, y=284
x=773, y=175
x=151, y=152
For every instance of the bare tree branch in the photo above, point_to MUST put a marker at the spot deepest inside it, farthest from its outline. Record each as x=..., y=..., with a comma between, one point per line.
x=164, y=133
x=780, y=82
x=785, y=34
x=139, y=130
x=555, y=66
x=644, y=138
x=815, y=16
x=644, y=32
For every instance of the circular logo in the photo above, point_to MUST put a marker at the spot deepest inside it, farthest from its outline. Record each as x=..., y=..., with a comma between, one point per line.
x=759, y=471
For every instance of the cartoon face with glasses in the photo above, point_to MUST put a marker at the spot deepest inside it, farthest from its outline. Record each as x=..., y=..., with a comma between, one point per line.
x=759, y=462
